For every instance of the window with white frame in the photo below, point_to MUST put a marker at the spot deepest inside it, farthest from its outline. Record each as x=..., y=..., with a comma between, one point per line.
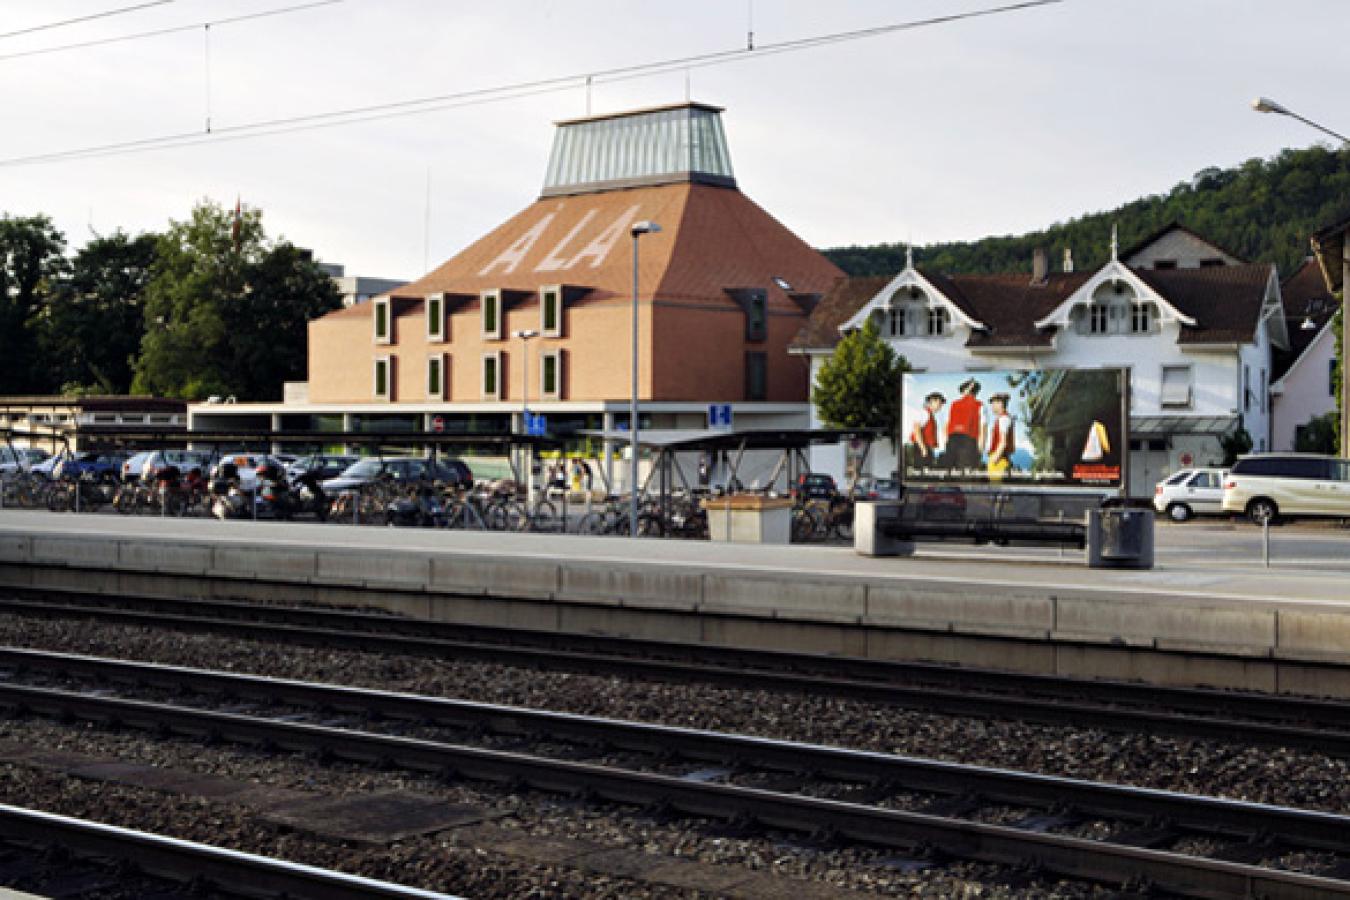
x=384, y=326
x=550, y=311
x=435, y=317
x=1099, y=318
x=897, y=322
x=490, y=303
x=492, y=375
x=1176, y=386
x=384, y=378
x=436, y=363
x=551, y=375
x=939, y=321
x=1141, y=318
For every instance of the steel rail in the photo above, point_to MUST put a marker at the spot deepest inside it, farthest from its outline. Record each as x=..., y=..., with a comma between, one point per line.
x=1065, y=856
x=1208, y=814
x=1321, y=725
x=232, y=872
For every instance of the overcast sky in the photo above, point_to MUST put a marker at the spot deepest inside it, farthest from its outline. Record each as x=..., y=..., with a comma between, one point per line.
x=988, y=126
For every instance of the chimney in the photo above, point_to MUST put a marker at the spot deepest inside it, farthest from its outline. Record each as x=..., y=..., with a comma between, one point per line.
x=1068, y=260
x=1039, y=267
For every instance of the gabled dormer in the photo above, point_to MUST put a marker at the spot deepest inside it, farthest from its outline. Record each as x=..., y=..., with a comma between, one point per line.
x=1114, y=301
x=912, y=306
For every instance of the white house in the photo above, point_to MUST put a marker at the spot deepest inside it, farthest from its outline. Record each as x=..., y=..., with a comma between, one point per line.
x=1197, y=340
x=1303, y=384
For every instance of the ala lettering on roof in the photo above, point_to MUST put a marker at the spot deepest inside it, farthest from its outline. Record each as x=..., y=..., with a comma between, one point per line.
x=557, y=260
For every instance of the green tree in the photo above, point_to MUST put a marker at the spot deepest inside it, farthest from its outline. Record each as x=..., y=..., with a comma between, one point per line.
x=225, y=311
x=31, y=260
x=859, y=386
x=1318, y=435
x=96, y=316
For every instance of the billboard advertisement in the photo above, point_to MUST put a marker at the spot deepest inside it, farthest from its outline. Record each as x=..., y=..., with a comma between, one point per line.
x=1025, y=427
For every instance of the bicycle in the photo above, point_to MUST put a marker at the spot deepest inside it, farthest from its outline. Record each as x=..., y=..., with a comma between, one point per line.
x=611, y=518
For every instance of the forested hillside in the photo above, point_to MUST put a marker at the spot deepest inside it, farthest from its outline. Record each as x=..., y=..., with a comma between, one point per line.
x=1262, y=210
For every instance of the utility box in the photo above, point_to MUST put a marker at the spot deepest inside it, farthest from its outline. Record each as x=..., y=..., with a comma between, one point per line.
x=1120, y=538
x=749, y=519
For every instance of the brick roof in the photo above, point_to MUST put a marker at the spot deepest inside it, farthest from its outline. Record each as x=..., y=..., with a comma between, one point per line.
x=712, y=238
x=1225, y=301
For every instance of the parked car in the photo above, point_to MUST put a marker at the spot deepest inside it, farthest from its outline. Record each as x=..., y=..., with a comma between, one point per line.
x=150, y=462
x=1267, y=487
x=325, y=465
x=247, y=464
x=400, y=469
x=21, y=458
x=1190, y=492
x=814, y=486
x=94, y=465
x=941, y=503
x=868, y=488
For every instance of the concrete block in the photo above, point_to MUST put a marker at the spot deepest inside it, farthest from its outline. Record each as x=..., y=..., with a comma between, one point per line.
x=363, y=567
x=499, y=576
x=1170, y=669
x=630, y=623
x=1307, y=631
x=84, y=552
x=769, y=596
x=968, y=650
x=410, y=604
x=643, y=586
x=1130, y=618
x=495, y=612
x=270, y=592
x=1010, y=610
x=62, y=578
x=805, y=637
x=266, y=563
x=20, y=575
x=151, y=584
x=1321, y=681
x=867, y=537
x=156, y=556
x=15, y=548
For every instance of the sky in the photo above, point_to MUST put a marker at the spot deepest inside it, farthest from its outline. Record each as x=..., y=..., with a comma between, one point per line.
x=993, y=125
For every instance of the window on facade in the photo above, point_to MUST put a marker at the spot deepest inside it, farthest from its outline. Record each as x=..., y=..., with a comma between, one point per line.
x=491, y=302
x=382, y=321
x=436, y=376
x=1247, y=388
x=1211, y=262
x=756, y=317
x=939, y=320
x=550, y=375
x=550, y=312
x=1164, y=264
x=384, y=378
x=1099, y=316
x=1176, y=386
x=436, y=317
x=1141, y=318
x=756, y=376
x=897, y=321
x=492, y=376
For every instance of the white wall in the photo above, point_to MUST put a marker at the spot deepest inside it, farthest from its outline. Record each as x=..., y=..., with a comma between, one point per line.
x=1304, y=391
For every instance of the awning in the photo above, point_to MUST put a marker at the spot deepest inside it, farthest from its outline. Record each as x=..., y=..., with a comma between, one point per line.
x=1143, y=426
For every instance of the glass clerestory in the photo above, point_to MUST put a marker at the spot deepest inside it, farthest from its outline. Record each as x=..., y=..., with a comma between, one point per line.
x=654, y=146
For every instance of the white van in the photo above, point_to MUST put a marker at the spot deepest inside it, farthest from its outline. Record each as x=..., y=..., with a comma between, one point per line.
x=1266, y=487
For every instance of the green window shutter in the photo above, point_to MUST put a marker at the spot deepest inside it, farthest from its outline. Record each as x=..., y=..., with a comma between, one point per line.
x=381, y=378
x=381, y=321
x=550, y=311
x=489, y=376
x=550, y=374
x=434, y=324
x=490, y=314
x=433, y=376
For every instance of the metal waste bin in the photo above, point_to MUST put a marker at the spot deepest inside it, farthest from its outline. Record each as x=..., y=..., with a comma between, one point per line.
x=1120, y=538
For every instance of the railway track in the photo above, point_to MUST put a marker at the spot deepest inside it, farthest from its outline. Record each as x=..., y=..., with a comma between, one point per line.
x=75, y=857
x=925, y=808
x=1228, y=716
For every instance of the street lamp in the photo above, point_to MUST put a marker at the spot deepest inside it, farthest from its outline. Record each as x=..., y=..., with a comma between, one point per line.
x=1266, y=105
x=528, y=462
x=638, y=230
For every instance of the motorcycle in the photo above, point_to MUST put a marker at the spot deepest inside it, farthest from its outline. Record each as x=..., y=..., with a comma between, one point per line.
x=274, y=499
x=309, y=498
x=228, y=500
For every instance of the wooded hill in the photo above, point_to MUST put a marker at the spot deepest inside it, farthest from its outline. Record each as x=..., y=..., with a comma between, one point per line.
x=1263, y=211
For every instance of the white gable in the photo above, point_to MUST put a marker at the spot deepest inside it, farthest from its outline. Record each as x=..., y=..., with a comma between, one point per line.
x=909, y=281
x=1114, y=272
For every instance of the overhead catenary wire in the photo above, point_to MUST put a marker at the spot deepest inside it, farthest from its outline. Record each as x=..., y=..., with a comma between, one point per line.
x=439, y=102
x=106, y=14
x=159, y=32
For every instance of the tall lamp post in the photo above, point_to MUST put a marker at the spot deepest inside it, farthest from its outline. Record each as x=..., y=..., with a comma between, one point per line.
x=638, y=230
x=1266, y=105
x=527, y=462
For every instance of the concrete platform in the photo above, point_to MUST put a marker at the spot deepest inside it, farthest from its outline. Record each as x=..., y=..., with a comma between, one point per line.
x=1227, y=624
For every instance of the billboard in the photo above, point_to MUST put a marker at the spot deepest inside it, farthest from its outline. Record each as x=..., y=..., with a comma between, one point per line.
x=1022, y=427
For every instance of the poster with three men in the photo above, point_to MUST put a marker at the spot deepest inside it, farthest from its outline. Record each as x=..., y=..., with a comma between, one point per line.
x=1051, y=427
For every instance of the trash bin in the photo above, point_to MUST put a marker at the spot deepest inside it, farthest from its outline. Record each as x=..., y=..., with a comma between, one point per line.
x=1120, y=538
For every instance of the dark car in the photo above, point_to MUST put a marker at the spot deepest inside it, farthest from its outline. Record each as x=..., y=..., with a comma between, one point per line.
x=869, y=488
x=942, y=503
x=91, y=465
x=815, y=486
x=325, y=465
x=399, y=469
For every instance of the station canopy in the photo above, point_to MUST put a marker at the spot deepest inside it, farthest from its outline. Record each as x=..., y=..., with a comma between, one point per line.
x=721, y=439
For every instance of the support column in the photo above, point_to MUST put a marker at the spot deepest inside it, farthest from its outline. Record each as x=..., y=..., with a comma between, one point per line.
x=348, y=420
x=276, y=426
x=608, y=449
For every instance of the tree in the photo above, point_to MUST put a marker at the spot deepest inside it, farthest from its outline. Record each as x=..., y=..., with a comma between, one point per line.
x=225, y=312
x=859, y=386
x=96, y=316
x=31, y=259
x=1318, y=435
